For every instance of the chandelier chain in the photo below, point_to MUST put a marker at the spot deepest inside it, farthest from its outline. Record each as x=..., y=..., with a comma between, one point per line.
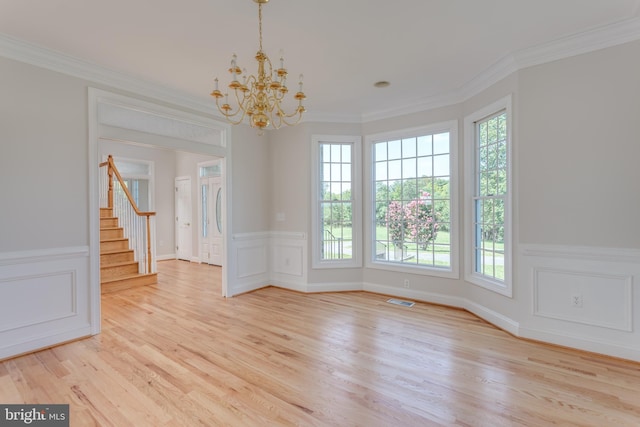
x=260, y=23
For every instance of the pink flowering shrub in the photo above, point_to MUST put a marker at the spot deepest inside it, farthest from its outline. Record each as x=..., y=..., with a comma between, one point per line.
x=414, y=221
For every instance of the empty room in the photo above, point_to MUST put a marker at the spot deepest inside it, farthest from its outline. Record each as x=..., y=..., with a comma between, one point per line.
x=362, y=213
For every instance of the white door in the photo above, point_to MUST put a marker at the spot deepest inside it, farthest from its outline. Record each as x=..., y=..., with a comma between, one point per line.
x=183, y=218
x=211, y=242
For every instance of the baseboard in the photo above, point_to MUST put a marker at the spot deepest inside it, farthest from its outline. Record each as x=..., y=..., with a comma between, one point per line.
x=499, y=320
x=580, y=343
x=42, y=342
x=430, y=297
x=333, y=287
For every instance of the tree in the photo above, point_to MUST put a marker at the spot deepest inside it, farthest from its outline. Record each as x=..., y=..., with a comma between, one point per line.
x=415, y=221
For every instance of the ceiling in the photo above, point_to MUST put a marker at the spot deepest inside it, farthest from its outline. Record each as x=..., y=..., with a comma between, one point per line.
x=426, y=49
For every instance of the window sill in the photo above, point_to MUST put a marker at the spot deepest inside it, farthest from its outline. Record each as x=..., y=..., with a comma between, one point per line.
x=446, y=272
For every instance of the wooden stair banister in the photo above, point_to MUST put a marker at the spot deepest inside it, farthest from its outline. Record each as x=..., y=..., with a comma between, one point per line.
x=112, y=171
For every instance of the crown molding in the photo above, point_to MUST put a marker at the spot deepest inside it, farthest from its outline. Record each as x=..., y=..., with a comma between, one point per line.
x=572, y=45
x=23, y=51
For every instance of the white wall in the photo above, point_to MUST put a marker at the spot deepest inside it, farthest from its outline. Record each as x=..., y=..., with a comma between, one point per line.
x=43, y=159
x=579, y=132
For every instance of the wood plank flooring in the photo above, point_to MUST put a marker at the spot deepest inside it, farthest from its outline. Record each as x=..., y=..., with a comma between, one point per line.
x=178, y=354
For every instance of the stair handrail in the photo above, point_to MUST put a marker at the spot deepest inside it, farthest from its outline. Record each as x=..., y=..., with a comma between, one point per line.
x=111, y=171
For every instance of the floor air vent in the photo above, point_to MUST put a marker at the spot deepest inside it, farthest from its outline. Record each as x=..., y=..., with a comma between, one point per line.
x=400, y=302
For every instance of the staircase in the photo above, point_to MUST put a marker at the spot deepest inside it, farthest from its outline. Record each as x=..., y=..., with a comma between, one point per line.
x=118, y=268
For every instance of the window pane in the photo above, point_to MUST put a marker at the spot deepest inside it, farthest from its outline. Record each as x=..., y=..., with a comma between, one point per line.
x=336, y=203
x=408, y=148
x=441, y=165
x=380, y=151
x=489, y=207
x=441, y=143
x=395, y=169
x=425, y=147
x=395, y=150
x=346, y=153
x=346, y=172
x=409, y=168
x=425, y=166
x=412, y=221
x=381, y=171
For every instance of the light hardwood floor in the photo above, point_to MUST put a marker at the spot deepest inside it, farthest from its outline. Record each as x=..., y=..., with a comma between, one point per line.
x=178, y=354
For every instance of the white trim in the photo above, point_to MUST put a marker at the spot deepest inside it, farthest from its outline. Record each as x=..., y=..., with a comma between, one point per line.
x=61, y=273
x=587, y=253
x=422, y=296
x=356, y=194
x=333, y=287
x=576, y=44
x=505, y=288
x=572, y=45
x=30, y=53
x=625, y=280
x=497, y=319
x=453, y=272
x=40, y=255
x=581, y=343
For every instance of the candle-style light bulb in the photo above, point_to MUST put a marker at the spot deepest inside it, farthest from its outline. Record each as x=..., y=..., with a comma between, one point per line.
x=300, y=82
x=216, y=82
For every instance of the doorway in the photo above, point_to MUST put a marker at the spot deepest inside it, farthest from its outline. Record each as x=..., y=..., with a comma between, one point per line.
x=210, y=240
x=115, y=117
x=183, y=218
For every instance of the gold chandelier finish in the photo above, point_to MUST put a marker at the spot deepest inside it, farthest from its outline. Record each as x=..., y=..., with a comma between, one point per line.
x=259, y=97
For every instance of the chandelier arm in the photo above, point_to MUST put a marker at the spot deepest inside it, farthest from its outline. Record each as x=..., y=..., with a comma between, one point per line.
x=230, y=117
x=284, y=120
x=288, y=116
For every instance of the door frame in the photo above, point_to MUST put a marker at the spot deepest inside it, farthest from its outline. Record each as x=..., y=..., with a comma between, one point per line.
x=136, y=111
x=201, y=179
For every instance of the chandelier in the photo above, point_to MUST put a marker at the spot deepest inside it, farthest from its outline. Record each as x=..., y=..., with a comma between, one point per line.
x=259, y=97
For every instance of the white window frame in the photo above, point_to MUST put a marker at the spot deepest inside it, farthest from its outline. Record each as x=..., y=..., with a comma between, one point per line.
x=356, y=195
x=504, y=288
x=371, y=262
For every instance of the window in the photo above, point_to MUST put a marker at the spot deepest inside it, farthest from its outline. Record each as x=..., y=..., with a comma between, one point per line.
x=137, y=176
x=412, y=200
x=336, y=201
x=488, y=192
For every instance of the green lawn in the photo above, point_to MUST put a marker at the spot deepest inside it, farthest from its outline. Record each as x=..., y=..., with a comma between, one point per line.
x=436, y=253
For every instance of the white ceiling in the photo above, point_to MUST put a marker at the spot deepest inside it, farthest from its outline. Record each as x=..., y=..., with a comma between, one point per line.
x=427, y=49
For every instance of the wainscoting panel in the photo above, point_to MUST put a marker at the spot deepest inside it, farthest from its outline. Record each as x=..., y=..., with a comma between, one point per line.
x=581, y=297
x=43, y=299
x=248, y=263
x=589, y=298
x=289, y=260
x=37, y=299
x=252, y=261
